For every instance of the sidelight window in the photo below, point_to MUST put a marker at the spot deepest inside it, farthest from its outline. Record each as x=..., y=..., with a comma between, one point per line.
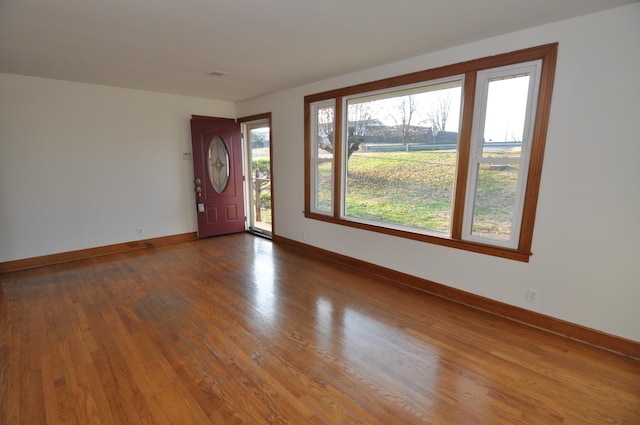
x=322, y=156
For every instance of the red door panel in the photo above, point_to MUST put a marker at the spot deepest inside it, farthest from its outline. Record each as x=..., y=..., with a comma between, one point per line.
x=217, y=164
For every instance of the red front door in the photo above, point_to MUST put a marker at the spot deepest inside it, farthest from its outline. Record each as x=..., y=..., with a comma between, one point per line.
x=217, y=164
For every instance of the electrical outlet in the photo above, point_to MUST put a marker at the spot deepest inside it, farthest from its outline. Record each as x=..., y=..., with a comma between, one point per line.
x=532, y=295
x=139, y=231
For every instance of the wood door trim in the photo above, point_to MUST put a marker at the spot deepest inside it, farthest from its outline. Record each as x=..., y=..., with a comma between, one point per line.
x=256, y=117
x=205, y=117
x=526, y=317
x=64, y=257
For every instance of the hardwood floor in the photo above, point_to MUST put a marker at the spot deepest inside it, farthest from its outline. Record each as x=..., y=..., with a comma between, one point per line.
x=236, y=330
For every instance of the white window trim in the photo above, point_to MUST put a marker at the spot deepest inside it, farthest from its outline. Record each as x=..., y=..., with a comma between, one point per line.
x=443, y=82
x=316, y=161
x=533, y=69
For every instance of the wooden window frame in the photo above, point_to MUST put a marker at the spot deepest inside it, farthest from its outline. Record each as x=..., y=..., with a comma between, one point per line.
x=546, y=53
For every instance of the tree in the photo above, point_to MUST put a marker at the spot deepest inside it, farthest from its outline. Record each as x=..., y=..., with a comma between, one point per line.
x=440, y=110
x=360, y=115
x=356, y=133
x=261, y=182
x=402, y=114
x=259, y=140
x=326, y=124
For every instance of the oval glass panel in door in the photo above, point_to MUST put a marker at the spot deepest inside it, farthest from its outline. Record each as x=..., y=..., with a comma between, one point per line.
x=218, y=164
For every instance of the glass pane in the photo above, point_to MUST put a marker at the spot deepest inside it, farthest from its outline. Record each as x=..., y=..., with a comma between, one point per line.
x=401, y=156
x=323, y=155
x=260, y=177
x=218, y=164
x=505, y=117
x=494, y=201
x=412, y=189
x=325, y=126
x=324, y=181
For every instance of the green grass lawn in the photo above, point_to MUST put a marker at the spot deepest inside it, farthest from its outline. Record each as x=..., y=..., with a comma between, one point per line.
x=410, y=188
x=416, y=189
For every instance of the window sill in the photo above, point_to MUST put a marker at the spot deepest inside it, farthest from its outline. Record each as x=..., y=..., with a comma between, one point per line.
x=496, y=251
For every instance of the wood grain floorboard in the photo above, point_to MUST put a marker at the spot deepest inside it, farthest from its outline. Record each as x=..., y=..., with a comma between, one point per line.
x=236, y=330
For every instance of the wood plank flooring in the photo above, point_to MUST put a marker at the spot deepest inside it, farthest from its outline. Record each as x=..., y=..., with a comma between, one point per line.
x=237, y=330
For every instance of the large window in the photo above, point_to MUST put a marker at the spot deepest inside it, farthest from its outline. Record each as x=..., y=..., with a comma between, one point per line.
x=400, y=163
x=451, y=155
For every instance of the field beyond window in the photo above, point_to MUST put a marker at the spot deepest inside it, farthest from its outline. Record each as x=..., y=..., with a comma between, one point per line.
x=415, y=189
x=401, y=158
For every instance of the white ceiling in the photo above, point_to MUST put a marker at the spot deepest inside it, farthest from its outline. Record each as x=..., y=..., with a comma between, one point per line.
x=171, y=46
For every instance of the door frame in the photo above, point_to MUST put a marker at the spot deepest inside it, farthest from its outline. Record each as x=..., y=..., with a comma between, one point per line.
x=245, y=188
x=245, y=156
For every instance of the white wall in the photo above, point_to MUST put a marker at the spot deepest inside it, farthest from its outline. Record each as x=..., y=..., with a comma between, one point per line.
x=84, y=165
x=586, y=260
